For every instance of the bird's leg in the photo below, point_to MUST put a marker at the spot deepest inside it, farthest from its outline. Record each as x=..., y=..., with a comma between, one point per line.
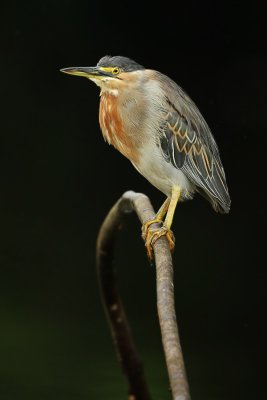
x=158, y=217
x=154, y=234
x=176, y=192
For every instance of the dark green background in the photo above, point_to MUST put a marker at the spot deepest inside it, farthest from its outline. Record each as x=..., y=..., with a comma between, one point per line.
x=58, y=180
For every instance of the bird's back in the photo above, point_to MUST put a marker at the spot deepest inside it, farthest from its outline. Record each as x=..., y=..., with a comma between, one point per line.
x=188, y=144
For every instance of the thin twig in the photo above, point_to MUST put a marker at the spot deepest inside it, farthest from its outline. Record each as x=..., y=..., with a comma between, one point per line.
x=121, y=334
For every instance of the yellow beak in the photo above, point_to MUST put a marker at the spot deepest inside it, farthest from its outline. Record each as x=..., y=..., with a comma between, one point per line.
x=87, y=72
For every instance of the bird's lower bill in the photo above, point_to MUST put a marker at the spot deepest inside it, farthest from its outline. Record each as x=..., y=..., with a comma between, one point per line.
x=87, y=72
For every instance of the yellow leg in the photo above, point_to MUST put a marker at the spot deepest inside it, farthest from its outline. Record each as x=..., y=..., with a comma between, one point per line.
x=151, y=235
x=163, y=209
x=158, y=217
x=176, y=192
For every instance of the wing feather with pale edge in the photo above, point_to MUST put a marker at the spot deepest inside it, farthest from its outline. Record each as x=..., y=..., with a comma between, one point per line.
x=188, y=144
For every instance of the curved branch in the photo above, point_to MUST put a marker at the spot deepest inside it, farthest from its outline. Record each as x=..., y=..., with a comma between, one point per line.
x=121, y=334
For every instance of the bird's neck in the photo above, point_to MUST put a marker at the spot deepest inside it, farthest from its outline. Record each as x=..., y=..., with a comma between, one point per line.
x=113, y=126
x=108, y=87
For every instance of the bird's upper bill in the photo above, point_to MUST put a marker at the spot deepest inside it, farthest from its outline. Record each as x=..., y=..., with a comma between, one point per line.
x=94, y=73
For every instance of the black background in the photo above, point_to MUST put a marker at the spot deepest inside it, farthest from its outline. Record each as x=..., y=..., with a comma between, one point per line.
x=59, y=179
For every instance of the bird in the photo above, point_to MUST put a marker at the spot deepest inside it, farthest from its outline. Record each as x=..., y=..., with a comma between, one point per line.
x=153, y=122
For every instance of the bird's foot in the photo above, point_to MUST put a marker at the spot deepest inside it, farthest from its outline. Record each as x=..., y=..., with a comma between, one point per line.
x=150, y=235
x=146, y=225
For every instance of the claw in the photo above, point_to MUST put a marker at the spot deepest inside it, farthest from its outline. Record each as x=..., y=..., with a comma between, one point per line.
x=154, y=234
x=146, y=225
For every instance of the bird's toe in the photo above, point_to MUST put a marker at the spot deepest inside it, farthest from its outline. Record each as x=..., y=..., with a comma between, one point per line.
x=153, y=234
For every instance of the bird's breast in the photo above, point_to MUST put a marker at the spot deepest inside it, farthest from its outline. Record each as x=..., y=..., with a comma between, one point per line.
x=114, y=128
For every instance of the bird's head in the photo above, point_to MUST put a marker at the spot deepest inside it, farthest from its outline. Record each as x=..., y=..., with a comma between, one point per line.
x=110, y=73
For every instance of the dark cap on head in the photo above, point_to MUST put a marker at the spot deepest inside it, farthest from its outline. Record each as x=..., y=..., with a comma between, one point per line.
x=126, y=64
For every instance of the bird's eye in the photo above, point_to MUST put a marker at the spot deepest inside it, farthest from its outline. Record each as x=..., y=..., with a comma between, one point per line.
x=116, y=71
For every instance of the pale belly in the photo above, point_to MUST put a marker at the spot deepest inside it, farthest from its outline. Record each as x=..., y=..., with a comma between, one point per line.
x=163, y=175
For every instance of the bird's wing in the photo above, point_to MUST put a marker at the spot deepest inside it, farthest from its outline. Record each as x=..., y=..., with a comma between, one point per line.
x=188, y=144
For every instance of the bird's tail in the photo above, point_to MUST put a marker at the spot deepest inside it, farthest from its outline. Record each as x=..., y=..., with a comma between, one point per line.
x=219, y=207
x=222, y=207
